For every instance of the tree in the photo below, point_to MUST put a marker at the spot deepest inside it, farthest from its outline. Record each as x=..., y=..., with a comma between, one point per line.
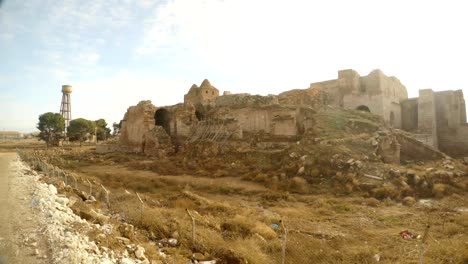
x=117, y=127
x=52, y=126
x=80, y=129
x=102, y=132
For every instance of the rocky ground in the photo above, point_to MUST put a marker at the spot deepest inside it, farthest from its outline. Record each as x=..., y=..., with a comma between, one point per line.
x=37, y=226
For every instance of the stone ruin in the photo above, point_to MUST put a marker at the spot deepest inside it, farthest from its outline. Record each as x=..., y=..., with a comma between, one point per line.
x=436, y=120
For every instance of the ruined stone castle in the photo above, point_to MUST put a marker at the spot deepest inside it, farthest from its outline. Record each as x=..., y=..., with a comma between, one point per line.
x=435, y=118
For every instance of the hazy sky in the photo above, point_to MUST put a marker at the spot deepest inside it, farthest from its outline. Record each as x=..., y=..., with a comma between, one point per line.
x=117, y=53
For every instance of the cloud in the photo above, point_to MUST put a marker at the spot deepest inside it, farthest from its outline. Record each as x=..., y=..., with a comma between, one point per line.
x=279, y=45
x=109, y=96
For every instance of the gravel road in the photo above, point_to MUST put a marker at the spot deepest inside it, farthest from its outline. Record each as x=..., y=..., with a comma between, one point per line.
x=21, y=235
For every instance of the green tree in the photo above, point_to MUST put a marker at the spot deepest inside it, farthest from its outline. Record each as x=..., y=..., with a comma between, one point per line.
x=81, y=129
x=51, y=126
x=116, y=126
x=102, y=131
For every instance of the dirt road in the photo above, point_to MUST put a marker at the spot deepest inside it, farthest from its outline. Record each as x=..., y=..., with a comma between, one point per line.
x=21, y=239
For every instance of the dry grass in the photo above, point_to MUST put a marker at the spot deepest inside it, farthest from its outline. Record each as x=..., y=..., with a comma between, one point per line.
x=235, y=198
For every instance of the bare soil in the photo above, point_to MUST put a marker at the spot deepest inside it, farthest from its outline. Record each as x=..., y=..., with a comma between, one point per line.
x=21, y=239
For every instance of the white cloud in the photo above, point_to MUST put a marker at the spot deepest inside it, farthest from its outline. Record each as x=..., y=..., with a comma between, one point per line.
x=109, y=97
x=281, y=45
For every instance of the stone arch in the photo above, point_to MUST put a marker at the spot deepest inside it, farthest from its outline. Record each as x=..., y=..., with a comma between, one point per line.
x=199, y=115
x=162, y=118
x=363, y=108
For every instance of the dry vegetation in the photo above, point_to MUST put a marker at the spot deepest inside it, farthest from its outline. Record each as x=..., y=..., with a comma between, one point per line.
x=237, y=191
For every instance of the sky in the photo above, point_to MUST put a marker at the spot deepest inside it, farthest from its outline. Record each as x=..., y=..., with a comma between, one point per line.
x=116, y=53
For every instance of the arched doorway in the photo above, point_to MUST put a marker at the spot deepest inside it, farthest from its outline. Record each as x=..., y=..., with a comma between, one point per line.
x=199, y=115
x=392, y=119
x=162, y=118
x=363, y=108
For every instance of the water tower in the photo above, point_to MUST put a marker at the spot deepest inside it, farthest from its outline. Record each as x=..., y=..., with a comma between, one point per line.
x=65, y=107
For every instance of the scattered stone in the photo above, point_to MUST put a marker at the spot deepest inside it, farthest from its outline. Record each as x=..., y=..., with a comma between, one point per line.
x=173, y=242
x=198, y=256
x=175, y=235
x=124, y=240
x=100, y=237
x=62, y=200
x=450, y=167
x=140, y=253
x=409, y=201
x=80, y=194
x=168, y=242
x=426, y=202
x=358, y=164
x=301, y=171
x=377, y=257
x=52, y=189
x=127, y=230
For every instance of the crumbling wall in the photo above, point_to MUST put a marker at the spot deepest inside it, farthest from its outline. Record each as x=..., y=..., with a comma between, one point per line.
x=450, y=109
x=245, y=100
x=409, y=114
x=414, y=150
x=427, y=115
x=137, y=121
x=376, y=91
x=311, y=97
x=274, y=120
x=332, y=88
x=388, y=148
x=454, y=141
x=183, y=117
x=157, y=142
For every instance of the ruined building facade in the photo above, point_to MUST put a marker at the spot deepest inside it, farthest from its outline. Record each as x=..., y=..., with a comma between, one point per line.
x=435, y=118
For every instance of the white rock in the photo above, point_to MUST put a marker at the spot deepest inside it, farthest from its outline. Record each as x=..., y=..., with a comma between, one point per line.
x=52, y=189
x=301, y=171
x=126, y=261
x=140, y=253
x=62, y=200
x=172, y=241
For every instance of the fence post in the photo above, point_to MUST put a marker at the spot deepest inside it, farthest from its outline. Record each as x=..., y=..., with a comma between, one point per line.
x=141, y=208
x=421, y=247
x=107, y=196
x=90, y=188
x=285, y=239
x=193, y=227
x=76, y=185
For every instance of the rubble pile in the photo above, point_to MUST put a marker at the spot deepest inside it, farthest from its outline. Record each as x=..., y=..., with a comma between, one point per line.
x=65, y=231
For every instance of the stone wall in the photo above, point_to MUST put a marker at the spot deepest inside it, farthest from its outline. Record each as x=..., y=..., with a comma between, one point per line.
x=450, y=109
x=273, y=120
x=427, y=115
x=409, y=114
x=245, y=100
x=307, y=97
x=414, y=150
x=454, y=141
x=451, y=122
x=377, y=92
x=137, y=121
